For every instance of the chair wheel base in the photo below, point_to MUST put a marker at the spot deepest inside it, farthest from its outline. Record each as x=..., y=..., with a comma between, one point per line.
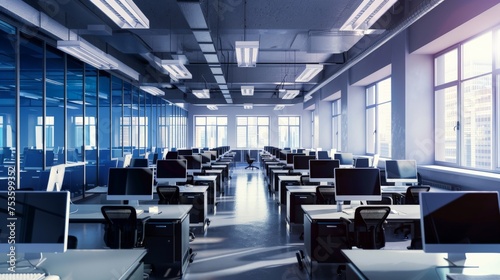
x=300, y=259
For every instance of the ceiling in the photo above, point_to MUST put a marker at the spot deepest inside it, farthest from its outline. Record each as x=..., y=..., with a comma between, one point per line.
x=291, y=34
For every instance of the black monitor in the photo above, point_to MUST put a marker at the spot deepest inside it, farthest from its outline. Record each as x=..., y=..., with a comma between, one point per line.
x=460, y=222
x=301, y=163
x=41, y=221
x=206, y=158
x=290, y=157
x=282, y=155
x=171, y=171
x=130, y=184
x=195, y=150
x=362, y=162
x=401, y=172
x=193, y=162
x=357, y=184
x=184, y=152
x=345, y=159
x=322, y=155
x=323, y=170
x=172, y=155
x=139, y=162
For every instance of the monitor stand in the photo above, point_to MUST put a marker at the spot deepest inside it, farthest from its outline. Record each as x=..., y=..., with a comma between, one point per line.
x=339, y=206
x=35, y=259
x=131, y=202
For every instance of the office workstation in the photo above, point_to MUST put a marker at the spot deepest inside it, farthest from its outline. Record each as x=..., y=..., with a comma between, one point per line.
x=416, y=81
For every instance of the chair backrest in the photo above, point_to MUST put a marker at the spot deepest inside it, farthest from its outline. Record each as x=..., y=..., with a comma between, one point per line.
x=368, y=226
x=121, y=226
x=386, y=200
x=168, y=194
x=412, y=194
x=325, y=195
x=305, y=181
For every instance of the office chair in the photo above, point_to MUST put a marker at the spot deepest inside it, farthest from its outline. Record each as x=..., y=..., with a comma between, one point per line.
x=412, y=194
x=72, y=241
x=250, y=162
x=412, y=197
x=368, y=227
x=304, y=181
x=386, y=200
x=122, y=228
x=168, y=194
x=325, y=195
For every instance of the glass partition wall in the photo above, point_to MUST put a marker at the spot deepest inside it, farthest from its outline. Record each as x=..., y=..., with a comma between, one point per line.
x=56, y=109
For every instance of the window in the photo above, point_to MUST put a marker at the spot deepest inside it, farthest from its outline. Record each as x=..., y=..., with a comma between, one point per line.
x=252, y=132
x=336, y=125
x=210, y=131
x=49, y=132
x=378, y=118
x=289, y=132
x=312, y=129
x=465, y=104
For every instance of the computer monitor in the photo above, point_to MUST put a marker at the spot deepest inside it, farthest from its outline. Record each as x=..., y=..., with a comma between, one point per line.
x=127, y=158
x=213, y=155
x=56, y=178
x=195, y=150
x=361, y=162
x=401, y=172
x=139, y=162
x=322, y=155
x=171, y=171
x=323, y=170
x=357, y=184
x=130, y=184
x=41, y=222
x=193, y=163
x=301, y=163
x=184, y=152
x=172, y=155
x=459, y=222
x=290, y=158
x=345, y=159
x=282, y=155
x=206, y=158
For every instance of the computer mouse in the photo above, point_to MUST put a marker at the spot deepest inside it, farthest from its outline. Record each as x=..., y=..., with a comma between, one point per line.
x=52, y=277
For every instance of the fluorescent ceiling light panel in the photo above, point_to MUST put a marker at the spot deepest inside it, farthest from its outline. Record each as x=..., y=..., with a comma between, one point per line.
x=367, y=13
x=223, y=86
x=220, y=79
x=247, y=106
x=202, y=36
x=153, y=90
x=88, y=53
x=246, y=53
x=225, y=91
x=176, y=69
x=279, y=107
x=216, y=70
x=247, y=90
x=212, y=107
x=309, y=73
x=211, y=58
x=203, y=93
x=124, y=13
x=207, y=47
x=291, y=94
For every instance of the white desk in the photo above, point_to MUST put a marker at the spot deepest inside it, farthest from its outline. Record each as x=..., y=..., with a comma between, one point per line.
x=94, y=264
x=329, y=212
x=413, y=264
x=220, y=181
x=274, y=172
x=212, y=192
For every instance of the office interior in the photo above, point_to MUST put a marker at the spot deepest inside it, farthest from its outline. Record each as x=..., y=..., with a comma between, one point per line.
x=433, y=56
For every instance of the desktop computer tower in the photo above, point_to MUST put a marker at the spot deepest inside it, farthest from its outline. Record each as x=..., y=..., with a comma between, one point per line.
x=324, y=241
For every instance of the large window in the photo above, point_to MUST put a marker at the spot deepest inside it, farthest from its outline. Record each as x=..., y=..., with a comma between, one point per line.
x=289, y=132
x=378, y=118
x=336, y=125
x=252, y=132
x=210, y=131
x=465, y=103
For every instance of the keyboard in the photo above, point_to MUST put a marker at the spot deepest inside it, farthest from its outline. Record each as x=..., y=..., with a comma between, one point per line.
x=22, y=276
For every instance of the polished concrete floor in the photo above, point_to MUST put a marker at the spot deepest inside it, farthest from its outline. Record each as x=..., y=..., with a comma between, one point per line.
x=248, y=236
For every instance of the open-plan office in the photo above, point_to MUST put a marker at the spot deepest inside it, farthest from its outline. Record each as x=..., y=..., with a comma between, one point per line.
x=85, y=90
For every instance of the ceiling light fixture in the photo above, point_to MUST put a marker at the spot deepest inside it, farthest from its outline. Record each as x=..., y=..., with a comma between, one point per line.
x=246, y=53
x=309, y=73
x=153, y=90
x=176, y=69
x=124, y=13
x=291, y=94
x=87, y=53
x=367, y=13
x=247, y=90
x=212, y=107
x=203, y=93
x=247, y=106
x=279, y=107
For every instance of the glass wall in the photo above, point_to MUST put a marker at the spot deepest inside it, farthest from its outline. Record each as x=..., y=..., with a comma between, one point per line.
x=71, y=113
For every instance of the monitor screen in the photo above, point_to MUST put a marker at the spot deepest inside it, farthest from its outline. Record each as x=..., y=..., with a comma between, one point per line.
x=345, y=159
x=323, y=170
x=184, y=152
x=56, y=178
x=401, y=171
x=459, y=222
x=290, y=157
x=357, y=184
x=41, y=224
x=301, y=163
x=282, y=155
x=139, y=162
x=171, y=171
x=193, y=162
x=322, y=155
x=206, y=158
x=172, y=155
x=133, y=183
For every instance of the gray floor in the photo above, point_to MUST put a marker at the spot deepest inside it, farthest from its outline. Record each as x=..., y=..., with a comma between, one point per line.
x=248, y=237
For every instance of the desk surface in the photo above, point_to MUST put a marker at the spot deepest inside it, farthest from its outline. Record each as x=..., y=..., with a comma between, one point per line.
x=92, y=212
x=92, y=264
x=415, y=264
x=182, y=189
x=321, y=211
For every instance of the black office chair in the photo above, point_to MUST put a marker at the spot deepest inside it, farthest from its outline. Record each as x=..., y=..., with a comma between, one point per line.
x=72, y=241
x=412, y=194
x=412, y=197
x=304, y=181
x=122, y=228
x=250, y=162
x=386, y=200
x=368, y=227
x=325, y=195
x=168, y=194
